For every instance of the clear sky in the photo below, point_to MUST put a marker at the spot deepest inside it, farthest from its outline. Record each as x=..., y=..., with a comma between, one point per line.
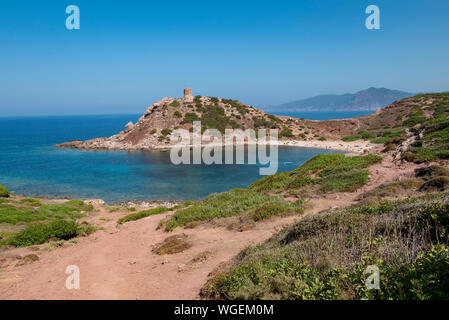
x=128, y=54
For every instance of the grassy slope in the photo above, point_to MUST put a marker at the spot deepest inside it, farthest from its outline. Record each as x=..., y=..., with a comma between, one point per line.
x=29, y=222
x=434, y=130
x=327, y=173
x=247, y=204
x=325, y=256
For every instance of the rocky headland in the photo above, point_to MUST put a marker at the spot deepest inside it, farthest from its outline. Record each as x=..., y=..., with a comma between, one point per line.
x=152, y=130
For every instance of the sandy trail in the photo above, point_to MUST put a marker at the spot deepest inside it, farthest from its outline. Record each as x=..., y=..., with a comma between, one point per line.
x=118, y=263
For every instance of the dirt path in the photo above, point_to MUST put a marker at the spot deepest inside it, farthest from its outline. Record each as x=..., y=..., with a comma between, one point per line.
x=118, y=263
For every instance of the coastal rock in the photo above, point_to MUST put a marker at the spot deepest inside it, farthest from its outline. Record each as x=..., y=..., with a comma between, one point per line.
x=152, y=130
x=129, y=126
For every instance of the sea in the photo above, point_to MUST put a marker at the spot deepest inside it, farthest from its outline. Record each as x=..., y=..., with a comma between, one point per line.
x=30, y=165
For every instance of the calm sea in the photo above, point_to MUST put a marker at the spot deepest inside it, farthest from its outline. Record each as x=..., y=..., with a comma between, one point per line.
x=30, y=165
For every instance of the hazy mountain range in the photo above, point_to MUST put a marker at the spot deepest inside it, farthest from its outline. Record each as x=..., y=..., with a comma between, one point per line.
x=369, y=99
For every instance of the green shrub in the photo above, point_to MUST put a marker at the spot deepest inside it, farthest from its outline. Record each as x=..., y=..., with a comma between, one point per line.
x=79, y=204
x=177, y=114
x=351, y=138
x=380, y=140
x=286, y=132
x=142, y=214
x=166, y=132
x=365, y=135
x=31, y=202
x=13, y=215
x=153, y=131
x=61, y=211
x=254, y=205
x=274, y=118
x=4, y=193
x=346, y=164
x=435, y=217
x=190, y=117
x=214, y=117
x=175, y=104
x=187, y=203
x=415, y=117
x=40, y=233
x=345, y=182
x=334, y=172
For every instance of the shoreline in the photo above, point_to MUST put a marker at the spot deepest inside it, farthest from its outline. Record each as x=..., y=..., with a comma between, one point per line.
x=358, y=146
x=355, y=147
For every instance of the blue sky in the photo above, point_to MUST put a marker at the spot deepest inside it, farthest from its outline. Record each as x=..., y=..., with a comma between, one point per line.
x=128, y=54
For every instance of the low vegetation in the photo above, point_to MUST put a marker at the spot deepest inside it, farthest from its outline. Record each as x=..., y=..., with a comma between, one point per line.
x=13, y=213
x=286, y=133
x=326, y=256
x=190, y=117
x=434, y=144
x=143, y=214
x=379, y=137
x=173, y=244
x=247, y=204
x=39, y=220
x=175, y=104
x=40, y=233
x=4, y=193
x=324, y=173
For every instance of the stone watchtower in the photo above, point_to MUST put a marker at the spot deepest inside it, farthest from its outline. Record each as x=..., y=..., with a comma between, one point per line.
x=188, y=96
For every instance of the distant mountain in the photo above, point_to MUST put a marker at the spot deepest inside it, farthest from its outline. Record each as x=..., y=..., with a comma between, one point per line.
x=369, y=99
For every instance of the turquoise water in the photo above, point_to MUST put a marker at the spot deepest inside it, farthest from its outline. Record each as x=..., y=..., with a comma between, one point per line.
x=30, y=165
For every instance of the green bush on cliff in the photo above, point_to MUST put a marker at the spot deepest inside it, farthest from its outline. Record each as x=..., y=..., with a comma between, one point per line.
x=254, y=205
x=330, y=172
x=166, y=132
x=190, y=117
x=286, y=132
x=40, y=233
x=434, y=144
x=4, y=193
x=79, y=204
x=142, y=214
x=415, y=117
x=29, y=210
x=347, y=182
x=175, y=104
x=177, y=114
x=214, y=117
x=351, y=138
x=31, y=202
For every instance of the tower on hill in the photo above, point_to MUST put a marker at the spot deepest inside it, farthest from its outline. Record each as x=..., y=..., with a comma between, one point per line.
x=188, y=95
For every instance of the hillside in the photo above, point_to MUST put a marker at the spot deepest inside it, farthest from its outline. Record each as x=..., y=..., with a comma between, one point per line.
x=371, y=99
x=309, y=233
x=391, y=125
